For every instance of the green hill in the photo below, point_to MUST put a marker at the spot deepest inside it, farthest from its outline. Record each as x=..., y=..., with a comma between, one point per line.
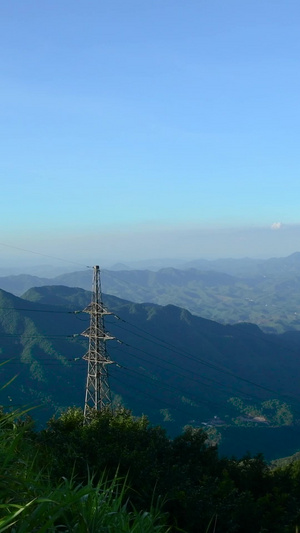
x=176, y=367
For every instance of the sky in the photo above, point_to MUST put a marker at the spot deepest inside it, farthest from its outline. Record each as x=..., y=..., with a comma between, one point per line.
x=133, y=130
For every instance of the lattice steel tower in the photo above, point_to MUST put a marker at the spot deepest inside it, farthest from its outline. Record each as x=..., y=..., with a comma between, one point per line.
x=97, y=392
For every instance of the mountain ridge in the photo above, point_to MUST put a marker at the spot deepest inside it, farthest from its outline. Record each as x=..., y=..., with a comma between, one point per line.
x=174, y=366
x=271, y=301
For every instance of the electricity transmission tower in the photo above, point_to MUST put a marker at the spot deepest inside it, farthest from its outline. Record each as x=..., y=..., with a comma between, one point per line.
x=97, y=392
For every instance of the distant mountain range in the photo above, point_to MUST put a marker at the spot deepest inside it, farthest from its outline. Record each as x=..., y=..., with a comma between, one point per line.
x=237, y=267
x=237, y=381
x=266, y=293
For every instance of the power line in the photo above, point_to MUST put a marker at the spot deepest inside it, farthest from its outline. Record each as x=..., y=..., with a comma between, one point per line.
x=196, y=380
x=225, y=389
x=188, y=393
x=161, y=384
x=49, y=336
x=201, y=361
x=196, y=359
x=43, y=255
x=46, y=361
x=159, y=400
x=165, y=345
x=168, y=346
x=40, y=310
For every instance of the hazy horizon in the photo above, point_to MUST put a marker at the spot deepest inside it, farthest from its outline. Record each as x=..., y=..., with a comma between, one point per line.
x=198, y=245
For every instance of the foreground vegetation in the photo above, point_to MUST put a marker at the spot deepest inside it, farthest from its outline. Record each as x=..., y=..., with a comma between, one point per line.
x=119, y=474
x=39, y=495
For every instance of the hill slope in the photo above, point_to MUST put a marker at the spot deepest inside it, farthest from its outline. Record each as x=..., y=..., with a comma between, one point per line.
x=173, y=366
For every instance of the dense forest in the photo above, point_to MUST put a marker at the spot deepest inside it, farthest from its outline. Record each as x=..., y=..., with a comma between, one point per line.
x=117, y=473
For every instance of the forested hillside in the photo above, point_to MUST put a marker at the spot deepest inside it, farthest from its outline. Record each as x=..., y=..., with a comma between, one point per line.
x=235, y=380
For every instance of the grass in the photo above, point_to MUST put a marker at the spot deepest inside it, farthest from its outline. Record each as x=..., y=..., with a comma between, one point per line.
x=29, y=501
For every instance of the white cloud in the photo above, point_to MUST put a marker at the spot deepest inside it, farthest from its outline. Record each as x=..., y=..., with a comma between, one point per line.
x=276, y=225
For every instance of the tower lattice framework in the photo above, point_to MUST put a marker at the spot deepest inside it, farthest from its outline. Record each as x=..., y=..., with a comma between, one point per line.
x=97, y=392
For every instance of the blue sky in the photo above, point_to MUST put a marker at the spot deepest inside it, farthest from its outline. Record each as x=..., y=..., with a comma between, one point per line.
x=138, y=129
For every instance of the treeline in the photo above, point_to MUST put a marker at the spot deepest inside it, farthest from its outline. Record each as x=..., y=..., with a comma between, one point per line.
x=119, y=474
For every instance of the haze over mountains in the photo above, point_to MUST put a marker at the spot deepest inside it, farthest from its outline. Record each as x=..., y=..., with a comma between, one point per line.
x=264, y=292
